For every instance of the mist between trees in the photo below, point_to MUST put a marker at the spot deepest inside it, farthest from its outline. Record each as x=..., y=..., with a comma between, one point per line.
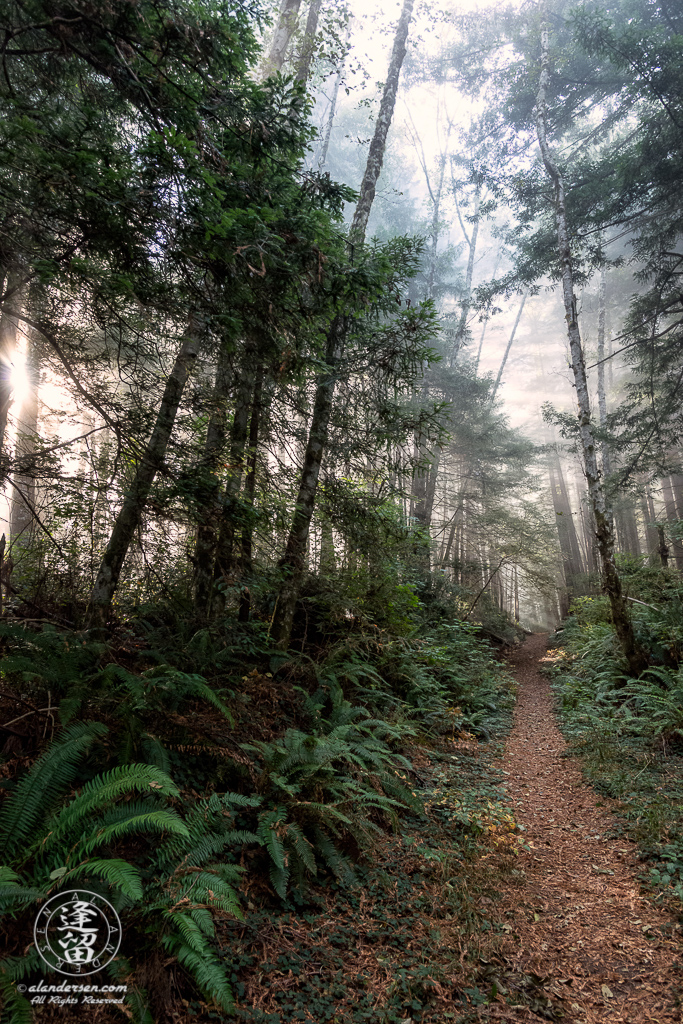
x=321, y=322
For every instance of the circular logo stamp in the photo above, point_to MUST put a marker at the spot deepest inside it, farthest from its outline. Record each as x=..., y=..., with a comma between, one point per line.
x=77, y=932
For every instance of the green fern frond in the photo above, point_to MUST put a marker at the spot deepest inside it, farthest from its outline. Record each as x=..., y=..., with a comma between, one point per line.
x=279, y=877
x=103, y=790
x=301, y=846
x=49, y=778
x=336, y=862
x=269, y=837
x=115, y=872
x=16, y=1009
x=151, y=821
x=200, y=962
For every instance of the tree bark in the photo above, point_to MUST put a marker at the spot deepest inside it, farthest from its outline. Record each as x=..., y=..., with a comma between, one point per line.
x=566, y=530
x=284, y=30
x=509, y=345
x=225, y=545
x=330, y=119
x=24, y=481
x=249, y=491
x=672, y=517
x=9, y=328
x=293, y=561
x=130, y=514
x=308, y=46
x=650, y=530
x=209, y=501
x=375, y=159
x=634, y=655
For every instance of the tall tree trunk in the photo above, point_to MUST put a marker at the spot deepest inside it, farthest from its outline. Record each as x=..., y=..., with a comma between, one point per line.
x=209, y=500
x=424, y=480
x=471, y=240
x=677, y=485
x=284, y=30
x=566, y=529
x=663, y=547
x=294, y=559
x=24, y=481
x=509, y=345
x=322, y=159
x=635, y=656
x=225, y=546
x=249, y=491
x=130, y=514
x=602, y=395
x=9, y=328
x=672, y=517
x=629, y=527
x=303, y=68
x=650, y=530
x=375, y=159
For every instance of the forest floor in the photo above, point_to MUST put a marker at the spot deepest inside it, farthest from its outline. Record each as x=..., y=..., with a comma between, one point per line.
x=577, y=919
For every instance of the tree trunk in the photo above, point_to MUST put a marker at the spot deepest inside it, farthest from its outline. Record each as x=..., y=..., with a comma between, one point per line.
x=677, y=485
x=663, y=547
x=635, y=656
x=9, y=328
x=249, y=491
x=294, y=558
x=208, y=498
x=672, y=517
x=285, y=29
x=225, y=545
x=308, y=46
x=24, y=481
x=602, y=395
x=509, y=345
x=469, y=274
x=130, y=515
x=566, y=529
x=330, y=119
x=375, y=159
x=650, y=530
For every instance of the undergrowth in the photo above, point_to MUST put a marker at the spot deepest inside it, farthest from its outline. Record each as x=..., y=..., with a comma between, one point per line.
x=213, y=788
x=629, y=732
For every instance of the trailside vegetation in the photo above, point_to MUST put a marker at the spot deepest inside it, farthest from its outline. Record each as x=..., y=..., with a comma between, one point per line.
x=268, y=523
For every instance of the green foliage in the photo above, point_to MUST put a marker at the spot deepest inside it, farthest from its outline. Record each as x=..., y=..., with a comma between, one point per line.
x=181, y=880
x=444, y=678
x=326, y=788
x=628, y=732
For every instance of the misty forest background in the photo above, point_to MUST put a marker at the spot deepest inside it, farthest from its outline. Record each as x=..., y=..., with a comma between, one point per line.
x=340, y=344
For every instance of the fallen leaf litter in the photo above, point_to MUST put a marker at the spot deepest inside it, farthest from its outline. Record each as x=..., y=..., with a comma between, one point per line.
x=575, y=912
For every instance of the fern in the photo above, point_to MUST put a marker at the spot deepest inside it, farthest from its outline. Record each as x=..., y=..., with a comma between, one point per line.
x=16, y=1008
x=39, y=790
x=119, y=874
x=106, y=788
x=194, y=952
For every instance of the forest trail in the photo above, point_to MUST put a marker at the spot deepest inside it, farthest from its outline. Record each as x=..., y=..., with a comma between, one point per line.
x=579, y=920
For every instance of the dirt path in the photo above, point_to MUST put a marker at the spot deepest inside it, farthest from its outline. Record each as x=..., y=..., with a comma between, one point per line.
x=578, y=918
